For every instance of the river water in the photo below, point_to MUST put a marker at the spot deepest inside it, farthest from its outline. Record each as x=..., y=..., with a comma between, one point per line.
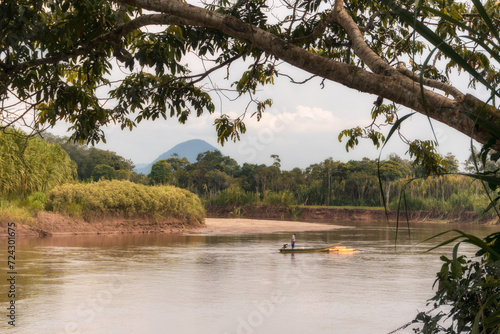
x=222, y=284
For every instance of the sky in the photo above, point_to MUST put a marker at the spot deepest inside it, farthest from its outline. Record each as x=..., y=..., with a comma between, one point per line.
x=302, y=127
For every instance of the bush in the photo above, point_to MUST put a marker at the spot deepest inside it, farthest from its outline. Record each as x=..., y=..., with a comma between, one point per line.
x=468, y=291
x=234, y=196
x=36, y=202
x=126, y=199
x=283, y=198
x=11, y=211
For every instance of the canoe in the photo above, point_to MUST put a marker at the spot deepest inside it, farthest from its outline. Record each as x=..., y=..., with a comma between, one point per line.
x=330, y=249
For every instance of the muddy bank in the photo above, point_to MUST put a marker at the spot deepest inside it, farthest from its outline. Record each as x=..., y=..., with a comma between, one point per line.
x=52, y=224
x=342, y=214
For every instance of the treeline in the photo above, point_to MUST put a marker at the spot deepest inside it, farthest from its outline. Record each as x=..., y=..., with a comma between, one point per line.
x=221, y=182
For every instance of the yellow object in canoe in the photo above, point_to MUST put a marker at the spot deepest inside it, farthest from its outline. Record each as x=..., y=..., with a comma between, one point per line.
x=330, y=249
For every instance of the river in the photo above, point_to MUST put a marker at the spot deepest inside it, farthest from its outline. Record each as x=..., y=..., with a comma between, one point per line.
x=222, y=284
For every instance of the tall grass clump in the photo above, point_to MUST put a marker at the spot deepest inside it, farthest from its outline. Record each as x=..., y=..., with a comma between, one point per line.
x=29, y=164
x=13, y=211
x=279, y=199
x=117, y=198
x=440, y=193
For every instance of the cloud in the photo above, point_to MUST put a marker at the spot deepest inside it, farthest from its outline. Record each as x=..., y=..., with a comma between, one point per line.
x=302, y=120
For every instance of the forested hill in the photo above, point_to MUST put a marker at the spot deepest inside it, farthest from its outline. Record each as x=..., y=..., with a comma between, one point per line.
x=188, y=149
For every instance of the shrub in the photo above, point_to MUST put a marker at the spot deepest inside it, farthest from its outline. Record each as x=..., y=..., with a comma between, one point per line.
x=283, y=198
x=126, y=199
x=234, y=196
x=36, y=202
x=10, y=211
x=468, y=290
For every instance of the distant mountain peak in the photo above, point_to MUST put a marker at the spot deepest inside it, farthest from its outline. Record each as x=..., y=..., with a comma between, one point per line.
x=188, y=149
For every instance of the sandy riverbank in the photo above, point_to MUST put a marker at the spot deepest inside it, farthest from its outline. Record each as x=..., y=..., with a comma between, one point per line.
x=57, y=225
x=240, y=225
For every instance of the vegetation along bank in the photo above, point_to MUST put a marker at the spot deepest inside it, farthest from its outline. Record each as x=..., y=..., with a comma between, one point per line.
x=40, y=191
x=50, y=186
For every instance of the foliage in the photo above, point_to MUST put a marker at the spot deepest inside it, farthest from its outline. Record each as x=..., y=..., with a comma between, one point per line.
x=126, y=199
x=468, y=294
x=160, y=172
x=282, y=199
x=91, y=161
x=443, y=193
x=425, y=155
x=14, y=211
x=36, y=202
x=22, y=209
x=57, y=57
x=212, y=172
x=103, y=172
x=29, y=164
x=235, y=197
x=238, y=200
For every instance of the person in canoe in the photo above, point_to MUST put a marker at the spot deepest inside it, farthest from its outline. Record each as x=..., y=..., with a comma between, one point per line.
x=293, y=240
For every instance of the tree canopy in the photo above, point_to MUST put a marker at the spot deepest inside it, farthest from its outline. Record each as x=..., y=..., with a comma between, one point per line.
x=93, y=163
x=57, y=59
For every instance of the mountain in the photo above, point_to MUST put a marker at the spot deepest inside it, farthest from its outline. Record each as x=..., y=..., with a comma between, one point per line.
x=189, y=149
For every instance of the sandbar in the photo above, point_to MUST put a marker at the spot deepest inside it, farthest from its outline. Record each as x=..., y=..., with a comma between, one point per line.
x=242, y=225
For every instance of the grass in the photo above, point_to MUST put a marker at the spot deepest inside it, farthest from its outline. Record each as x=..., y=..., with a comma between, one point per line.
x=13, y=210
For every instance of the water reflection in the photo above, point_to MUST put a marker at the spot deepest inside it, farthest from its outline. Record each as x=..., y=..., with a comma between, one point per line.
x=224, y=284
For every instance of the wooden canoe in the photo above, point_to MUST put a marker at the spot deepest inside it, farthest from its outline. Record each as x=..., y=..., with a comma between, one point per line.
x=330, y=249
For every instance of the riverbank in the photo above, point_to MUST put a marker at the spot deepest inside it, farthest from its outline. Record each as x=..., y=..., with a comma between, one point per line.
x=53, y=224
x=345, y=214
x=257, y=220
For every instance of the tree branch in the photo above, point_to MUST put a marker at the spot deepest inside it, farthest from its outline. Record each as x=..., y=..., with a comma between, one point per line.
x=201, y=76
x=458, y=95
x=359, y=46
x=395, y=87
x=318, y=29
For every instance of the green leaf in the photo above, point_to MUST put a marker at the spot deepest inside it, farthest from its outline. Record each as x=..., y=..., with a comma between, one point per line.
x=486, y=18
x=438, y=42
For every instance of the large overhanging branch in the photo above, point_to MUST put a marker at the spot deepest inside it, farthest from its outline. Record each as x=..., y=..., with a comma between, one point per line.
x=361, y=49
x=395, y=87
